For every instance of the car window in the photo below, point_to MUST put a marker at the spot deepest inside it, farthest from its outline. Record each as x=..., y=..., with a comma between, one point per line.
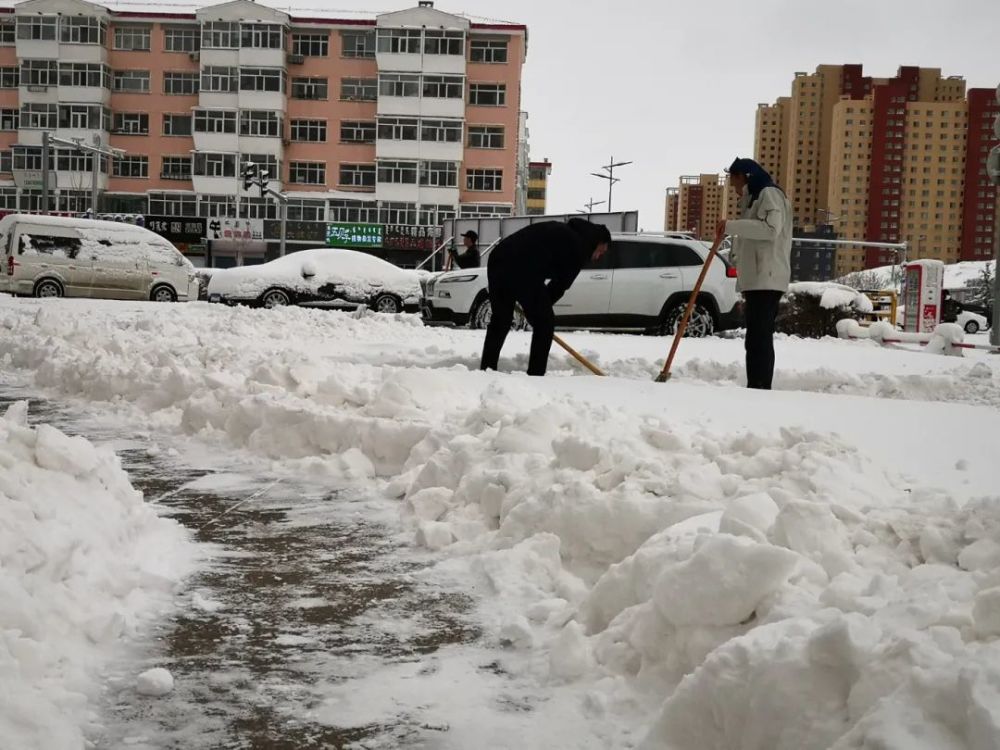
x=628, y=254
x=601, y=263
x=631, y=254
x=677, y=255
x=43, y=244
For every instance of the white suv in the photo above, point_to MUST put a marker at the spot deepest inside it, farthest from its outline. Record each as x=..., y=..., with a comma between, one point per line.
x=642, y=283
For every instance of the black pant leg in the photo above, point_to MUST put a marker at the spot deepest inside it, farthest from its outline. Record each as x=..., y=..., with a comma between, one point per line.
x=761, y=308
x=502, y=316
x=537, y=306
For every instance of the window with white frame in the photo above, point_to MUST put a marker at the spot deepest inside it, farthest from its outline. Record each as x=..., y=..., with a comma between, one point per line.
x=488, y=94
x=10, y=77
x=30, y=200
x=262, y=79
x=176, y=168
x=398, y=128
x=74, y=161
x=133, y=38
x=398, y=84
x=399, y=41
x=214, y=121
x=313, y=89
x=354, y=131
x=132, y=81
x=265, y=162
x=220, y=35
x=486, y=136
x=207, y=164
x=484, y=180
x=9, y=119
x=131, y=166
x=73, y=201
x=357, y=175
x=258, y=208
x=84, y=74
x=262, y=36
x=307, y=173
x=359, y=89
x=8, y=32
x=443, y=87
x=440, y=42
x=211, y=206
x=39, y=73
x=180, y=84
x=83, y=30
x=357, y=43
x=30, y=158
x=81, y=116
x=309, y=131
x=8, y=195
x=303, y=209
x=398, y=172
x=217, y=79
x=177, y=124
x=439, y=174
x=37, y=28
x=356, y=212
x=311, y=44
x=131, y=123
x=260, y=123
x=181, y=39
x=482, y=210
x=397, y=213
x=6, y=161
x=173, y=204
x=488, y=50
x=441, y=131
x=39, y=116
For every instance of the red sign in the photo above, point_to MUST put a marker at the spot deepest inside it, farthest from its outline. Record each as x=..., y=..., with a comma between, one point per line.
x=930, y=318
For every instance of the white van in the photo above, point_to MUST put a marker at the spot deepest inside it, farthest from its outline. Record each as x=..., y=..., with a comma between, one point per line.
x=56, y=256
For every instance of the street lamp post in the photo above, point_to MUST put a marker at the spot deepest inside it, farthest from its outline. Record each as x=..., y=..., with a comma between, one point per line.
x=610, y=176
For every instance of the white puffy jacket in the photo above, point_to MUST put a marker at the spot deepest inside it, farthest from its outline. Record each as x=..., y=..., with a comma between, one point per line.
x=762, y=242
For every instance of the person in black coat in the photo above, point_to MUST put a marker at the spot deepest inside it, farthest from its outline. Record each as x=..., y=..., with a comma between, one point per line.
x=517, y=271
x=470, y=257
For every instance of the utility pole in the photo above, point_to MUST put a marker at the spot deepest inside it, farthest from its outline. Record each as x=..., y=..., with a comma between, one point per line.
x=610, y=176
x=589, y=205
x=253, y=175
x=97, y=151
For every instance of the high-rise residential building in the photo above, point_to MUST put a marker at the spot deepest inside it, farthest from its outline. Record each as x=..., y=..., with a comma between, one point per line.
x=538, y=180
x=670, y=215
x=885, y=160
x=406, y=118
x=698, y=203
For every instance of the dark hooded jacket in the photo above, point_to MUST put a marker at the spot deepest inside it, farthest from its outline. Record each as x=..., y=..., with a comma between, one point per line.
x=550, y=251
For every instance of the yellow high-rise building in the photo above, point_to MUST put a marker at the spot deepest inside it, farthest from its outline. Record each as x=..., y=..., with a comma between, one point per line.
x=538, y=178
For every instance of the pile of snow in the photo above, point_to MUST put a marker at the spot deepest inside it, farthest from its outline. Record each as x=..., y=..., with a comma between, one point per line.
x=832, y=295
x=358, y=275
x=84, y=562
x=956, y=275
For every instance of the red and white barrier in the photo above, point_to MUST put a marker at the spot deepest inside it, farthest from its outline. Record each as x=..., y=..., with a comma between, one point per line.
x=947, y=338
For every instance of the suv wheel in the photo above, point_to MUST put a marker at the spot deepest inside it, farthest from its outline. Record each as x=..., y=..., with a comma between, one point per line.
x=972, y=326
x=699, y=325
x=482, y=313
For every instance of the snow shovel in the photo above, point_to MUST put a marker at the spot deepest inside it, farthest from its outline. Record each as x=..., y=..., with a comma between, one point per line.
x=570, y=350
x=664, y=375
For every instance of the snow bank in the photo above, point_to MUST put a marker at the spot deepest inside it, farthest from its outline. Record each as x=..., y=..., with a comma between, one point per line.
x=83, y=562
x=831, y=295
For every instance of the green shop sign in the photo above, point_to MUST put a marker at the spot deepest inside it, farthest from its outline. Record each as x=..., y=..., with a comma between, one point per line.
x=354, y=235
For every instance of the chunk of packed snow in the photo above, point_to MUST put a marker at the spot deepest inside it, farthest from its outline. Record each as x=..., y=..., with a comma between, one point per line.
x=155, y=682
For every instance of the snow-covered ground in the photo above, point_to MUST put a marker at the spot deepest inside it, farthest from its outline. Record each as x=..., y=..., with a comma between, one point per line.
x=685, y=565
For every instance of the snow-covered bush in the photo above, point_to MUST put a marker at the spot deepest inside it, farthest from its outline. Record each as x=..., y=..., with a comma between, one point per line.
x=811, y=308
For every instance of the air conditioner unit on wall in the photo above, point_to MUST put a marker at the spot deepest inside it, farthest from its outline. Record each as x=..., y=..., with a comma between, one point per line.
x=195, y=56
x=296, y=59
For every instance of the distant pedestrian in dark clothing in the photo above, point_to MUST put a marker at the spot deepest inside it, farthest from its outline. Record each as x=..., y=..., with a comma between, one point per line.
x=470, y=257
x=762, y=248
x=518, y=269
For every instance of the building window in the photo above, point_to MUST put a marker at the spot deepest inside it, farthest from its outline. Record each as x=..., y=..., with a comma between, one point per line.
x=73, y=161
x=399, y=41
x=357, y=175
x=219, y=80
x=37, y=28
x=357, y=43
x=488, y=94
x=177, y=125
x=398, y=172
x=180, y=84
x=441, y=131
x=262, y=36
x=10, y=77
x=131, y=123
x=310, y=131
x=397, y=128
x=214, y=165
x=268, y=164
x=211, y=206
x=84, y=30
x=133, y=81
x=133, y=38
x=9, y=119
x=39, y=116
x=8, y=195
x=39, y=73
x=131, y=166
x=488, y=51
x=439, y=174
x=176, y=168
x=214, y=121
x=307, y=173
x=262, y=79
x=486, y=136
x=82, y=116
x=439, y=42
x=260, y=123
x=311, y=45
x=357, y=212
x=398, y=213
x=8, y=33
x=443, y=87
x=182, y=39
x=359, y=89
x=398, y=84
x=258, y=208
x=310, y=88
x=484, y=180
x=482, y=210
x=357, y=132
x=173, y=204
x=306, y=210
x=220, y=35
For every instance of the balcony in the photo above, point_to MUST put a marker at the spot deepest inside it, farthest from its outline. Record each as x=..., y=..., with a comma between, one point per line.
x=220, y=142
x=417, y=106
x=419, y=150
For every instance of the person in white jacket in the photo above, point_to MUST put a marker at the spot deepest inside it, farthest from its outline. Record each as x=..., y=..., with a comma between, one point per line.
x=762, y=249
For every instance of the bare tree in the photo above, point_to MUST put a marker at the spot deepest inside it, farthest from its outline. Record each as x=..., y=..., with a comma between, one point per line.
x=869, y=280
x=981, y=287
